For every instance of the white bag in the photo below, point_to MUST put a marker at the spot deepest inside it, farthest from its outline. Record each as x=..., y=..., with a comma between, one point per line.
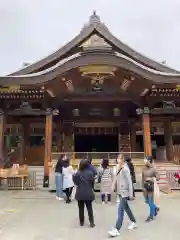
x=73, y=193
x=156, y=193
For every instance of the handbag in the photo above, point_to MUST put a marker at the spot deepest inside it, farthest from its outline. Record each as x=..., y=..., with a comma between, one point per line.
x=100, y=176
x=149, y=186
x=73, y=193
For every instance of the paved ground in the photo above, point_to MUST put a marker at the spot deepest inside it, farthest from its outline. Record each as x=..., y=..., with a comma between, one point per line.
x=36, y=215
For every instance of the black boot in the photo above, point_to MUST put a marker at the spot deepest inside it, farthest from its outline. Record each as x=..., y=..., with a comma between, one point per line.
x=92, y=225
x=81, y=224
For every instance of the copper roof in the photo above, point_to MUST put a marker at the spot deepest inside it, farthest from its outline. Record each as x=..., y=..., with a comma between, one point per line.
x=95, y=26
x=83, y=59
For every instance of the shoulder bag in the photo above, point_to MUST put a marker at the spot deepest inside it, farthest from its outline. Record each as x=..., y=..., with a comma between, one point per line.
x=100, y=176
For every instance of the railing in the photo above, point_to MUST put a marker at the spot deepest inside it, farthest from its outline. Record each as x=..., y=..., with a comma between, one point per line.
x=96, y=157
x=137, y=157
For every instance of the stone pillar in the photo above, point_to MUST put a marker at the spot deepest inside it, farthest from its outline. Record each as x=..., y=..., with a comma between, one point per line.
x=2, y=125
x=168, y=140
x=48, y=146
x=146, y=132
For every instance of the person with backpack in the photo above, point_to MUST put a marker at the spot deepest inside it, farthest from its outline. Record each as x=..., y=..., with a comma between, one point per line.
x=84, y=181
x=125, y=191
x=105, y=178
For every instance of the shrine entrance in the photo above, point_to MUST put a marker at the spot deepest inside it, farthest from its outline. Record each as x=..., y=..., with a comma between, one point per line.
x=96, y=139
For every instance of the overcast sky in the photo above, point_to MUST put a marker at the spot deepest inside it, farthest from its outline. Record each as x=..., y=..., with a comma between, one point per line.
x=31, y=29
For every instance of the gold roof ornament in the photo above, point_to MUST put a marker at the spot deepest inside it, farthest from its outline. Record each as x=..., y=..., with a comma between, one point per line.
x=95, y=41
x=97, y=69
x=97, y=73
x=69, y=84
x=9, y=89
x=178, y=87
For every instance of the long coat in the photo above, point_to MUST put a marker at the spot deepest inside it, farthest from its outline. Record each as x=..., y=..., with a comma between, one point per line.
x=84, y=181
x=106, y=180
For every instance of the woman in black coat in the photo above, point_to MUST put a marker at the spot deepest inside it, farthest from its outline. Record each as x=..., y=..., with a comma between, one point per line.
x=84, y=180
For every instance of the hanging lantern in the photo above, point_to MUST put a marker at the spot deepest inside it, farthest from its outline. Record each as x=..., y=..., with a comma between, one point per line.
x=116, y=112
x=76, y=112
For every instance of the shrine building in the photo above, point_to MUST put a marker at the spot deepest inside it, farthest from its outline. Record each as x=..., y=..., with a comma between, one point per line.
x=95, y=95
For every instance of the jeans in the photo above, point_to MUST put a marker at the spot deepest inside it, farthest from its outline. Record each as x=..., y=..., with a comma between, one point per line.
x=152, y=206
x=103, y=197
x=59, y=184
x=124, y=206
x=81, y=204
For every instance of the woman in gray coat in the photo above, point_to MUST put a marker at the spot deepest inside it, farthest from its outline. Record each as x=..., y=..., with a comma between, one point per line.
x=125, y=191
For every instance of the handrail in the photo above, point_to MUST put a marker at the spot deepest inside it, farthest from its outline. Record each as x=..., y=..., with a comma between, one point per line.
x=99, y=155
x=96, y=157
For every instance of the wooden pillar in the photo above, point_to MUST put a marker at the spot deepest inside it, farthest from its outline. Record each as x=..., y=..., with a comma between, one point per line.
x=2, y=124
x=24, y=140
x=59, y=136
x=124, y=138
x=147, y=132
x=119, y=140
x=168, y=140
x=133, y=136
x=48, y=146
x=68, y=137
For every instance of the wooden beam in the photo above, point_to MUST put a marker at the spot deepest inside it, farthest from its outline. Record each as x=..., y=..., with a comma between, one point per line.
x=100, y=124
x=96, y=99
x=133, y=136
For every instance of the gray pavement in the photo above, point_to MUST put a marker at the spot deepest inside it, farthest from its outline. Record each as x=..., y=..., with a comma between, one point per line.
x=37, y=215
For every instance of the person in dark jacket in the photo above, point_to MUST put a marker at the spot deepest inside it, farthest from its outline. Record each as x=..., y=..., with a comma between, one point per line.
x=59, y=179
x=93, y=169
x=130, y=165
x=84, y=181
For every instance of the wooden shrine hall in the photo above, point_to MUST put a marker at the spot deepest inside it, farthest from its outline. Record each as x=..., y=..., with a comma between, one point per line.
x=95, y=94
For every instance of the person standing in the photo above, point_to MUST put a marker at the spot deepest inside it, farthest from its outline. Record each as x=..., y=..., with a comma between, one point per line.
x=105, y=178
x=149, y=176
x=59, y=179
x=132, y=172
x=125, y=190
x=67, y=172
x=84, y=181
x=115, y=170
x=93, y=170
